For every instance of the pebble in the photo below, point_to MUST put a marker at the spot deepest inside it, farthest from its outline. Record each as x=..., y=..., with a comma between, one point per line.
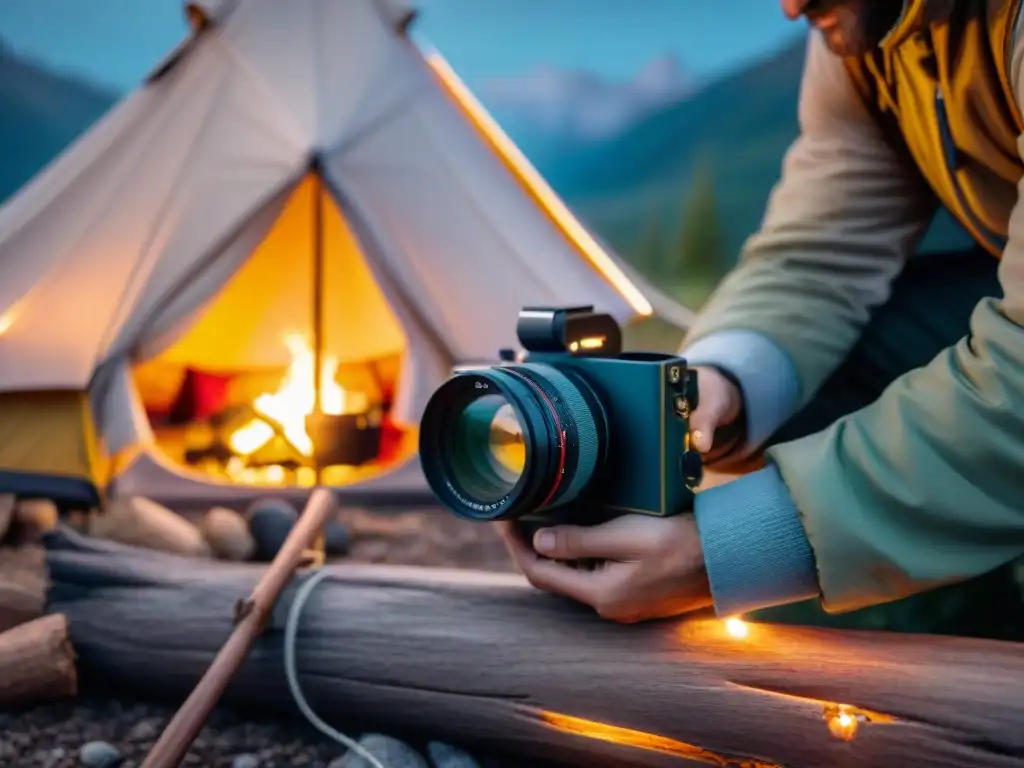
x=446, y=756
x=144, y=730
x=99, y=754
x=270, y=521
x=52, y=758
x=245, y=760
x=391, y=752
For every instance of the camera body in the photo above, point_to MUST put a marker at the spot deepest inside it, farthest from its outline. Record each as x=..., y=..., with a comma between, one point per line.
x=602, y=432
x=648, y=466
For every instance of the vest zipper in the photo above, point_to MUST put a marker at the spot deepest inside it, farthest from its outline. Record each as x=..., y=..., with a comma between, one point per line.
x=967, y=217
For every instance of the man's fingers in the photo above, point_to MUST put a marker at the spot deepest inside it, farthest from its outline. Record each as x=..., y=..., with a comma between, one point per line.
x=583, y=586
x=706, y=419
x=519, y=549
x=620, y=539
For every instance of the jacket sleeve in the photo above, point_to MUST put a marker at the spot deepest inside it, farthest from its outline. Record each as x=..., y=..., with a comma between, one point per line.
x=926, y=485
x=838, y=228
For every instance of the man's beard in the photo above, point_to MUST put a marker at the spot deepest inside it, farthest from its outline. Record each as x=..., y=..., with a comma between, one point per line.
x=860, y=25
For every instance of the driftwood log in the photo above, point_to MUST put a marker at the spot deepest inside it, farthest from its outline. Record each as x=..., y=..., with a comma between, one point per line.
x=37, y=662
x=482, y=659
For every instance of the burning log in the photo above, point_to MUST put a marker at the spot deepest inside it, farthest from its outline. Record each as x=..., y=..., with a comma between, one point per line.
x=37, y=662
x=482, y=658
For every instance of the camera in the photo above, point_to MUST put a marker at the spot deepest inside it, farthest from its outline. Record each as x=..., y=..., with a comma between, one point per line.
x=570, y=430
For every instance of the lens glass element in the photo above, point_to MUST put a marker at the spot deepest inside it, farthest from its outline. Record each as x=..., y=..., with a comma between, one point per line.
x=488, y=449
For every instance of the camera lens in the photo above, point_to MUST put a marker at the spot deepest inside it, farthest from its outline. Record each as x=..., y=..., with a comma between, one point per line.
x=499, y=443
x=488, y=450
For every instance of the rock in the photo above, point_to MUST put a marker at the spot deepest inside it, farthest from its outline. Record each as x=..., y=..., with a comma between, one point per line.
x=143, y=731
x=6, y=512
x=446, y=756
x=391, y=752
x=245, y=761
x=335, y=538
x=270, y=522
x=141, y=522
x=99, y=754
x=227, y=534
x=39, y=514
x=53, y=758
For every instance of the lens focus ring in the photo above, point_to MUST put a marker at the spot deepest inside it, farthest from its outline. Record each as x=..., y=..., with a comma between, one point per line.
x=579, y=428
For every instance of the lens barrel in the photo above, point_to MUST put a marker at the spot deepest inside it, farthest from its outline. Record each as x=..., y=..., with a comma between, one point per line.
x=499, y=443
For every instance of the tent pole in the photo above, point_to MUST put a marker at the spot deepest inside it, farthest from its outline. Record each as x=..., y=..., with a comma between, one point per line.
x=318, y=308
x=319, y=547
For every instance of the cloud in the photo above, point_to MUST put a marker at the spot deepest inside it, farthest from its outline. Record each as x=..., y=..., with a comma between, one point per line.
x=583, y=104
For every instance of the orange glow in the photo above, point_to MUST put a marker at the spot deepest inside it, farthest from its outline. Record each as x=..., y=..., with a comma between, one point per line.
x=844, y=720
x=536, y=186
x=628, y=737
x=7, y=319
x=737, y=628
x=843, y=726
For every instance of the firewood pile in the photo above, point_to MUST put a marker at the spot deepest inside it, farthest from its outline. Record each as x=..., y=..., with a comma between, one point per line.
x=37, y=662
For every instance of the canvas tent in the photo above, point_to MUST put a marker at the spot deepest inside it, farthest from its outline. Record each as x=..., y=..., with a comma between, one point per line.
x=285, y=143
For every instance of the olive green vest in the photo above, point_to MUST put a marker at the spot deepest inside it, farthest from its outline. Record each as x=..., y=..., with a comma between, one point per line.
x=940, y=87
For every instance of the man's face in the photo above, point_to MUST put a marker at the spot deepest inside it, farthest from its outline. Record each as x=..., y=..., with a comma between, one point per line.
x=850, y=27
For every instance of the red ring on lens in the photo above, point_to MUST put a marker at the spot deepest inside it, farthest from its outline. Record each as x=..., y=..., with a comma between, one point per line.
x=560, y=474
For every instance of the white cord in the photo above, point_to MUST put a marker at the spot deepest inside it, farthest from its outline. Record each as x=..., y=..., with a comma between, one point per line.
x=291, y=630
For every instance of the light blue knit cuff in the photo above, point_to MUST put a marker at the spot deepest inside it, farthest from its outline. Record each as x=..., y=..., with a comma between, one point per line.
x=755, y=549
x=766, y=375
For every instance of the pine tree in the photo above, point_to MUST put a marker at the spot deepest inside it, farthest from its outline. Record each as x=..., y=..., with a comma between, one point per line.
x=649, y=256
x=700, y=251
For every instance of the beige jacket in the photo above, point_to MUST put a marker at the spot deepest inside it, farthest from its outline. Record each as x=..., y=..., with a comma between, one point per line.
x=925, y=486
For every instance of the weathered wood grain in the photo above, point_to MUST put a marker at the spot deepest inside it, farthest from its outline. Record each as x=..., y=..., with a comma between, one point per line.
x=483, y=659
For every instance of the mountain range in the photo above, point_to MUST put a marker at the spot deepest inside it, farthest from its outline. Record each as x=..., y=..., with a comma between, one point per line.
x=41, y=112
x=550, y=108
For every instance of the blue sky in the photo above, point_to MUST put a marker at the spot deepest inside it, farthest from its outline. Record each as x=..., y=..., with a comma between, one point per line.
x=117, y=41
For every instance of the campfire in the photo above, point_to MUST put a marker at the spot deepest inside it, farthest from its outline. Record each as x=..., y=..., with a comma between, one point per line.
x=279, y=438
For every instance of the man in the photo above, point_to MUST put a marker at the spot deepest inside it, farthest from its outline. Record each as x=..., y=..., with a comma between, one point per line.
x=888, y=388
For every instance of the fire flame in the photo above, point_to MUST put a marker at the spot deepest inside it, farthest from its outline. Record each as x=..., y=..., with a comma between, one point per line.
x=293, y=401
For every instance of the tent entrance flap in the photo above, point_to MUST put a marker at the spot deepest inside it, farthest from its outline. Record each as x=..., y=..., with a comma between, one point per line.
x=48, y=447
x=291, y=369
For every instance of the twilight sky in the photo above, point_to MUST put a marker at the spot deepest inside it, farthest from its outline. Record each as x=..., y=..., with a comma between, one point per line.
x=117, y=41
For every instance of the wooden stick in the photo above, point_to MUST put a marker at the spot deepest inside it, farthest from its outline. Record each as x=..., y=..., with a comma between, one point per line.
x=37, y=662
x=23, y=585
x=251, y=615
x=483, y=660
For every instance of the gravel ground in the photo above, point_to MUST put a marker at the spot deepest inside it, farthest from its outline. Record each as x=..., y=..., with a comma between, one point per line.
x=103, y=732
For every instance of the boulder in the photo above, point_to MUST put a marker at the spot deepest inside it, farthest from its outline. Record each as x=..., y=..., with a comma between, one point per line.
x=228, y=535
x=270, y=522
x=335, y=539
x=141, y=522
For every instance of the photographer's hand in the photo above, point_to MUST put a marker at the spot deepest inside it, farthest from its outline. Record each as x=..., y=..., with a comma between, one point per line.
x=649, y=567
x=719, y=405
